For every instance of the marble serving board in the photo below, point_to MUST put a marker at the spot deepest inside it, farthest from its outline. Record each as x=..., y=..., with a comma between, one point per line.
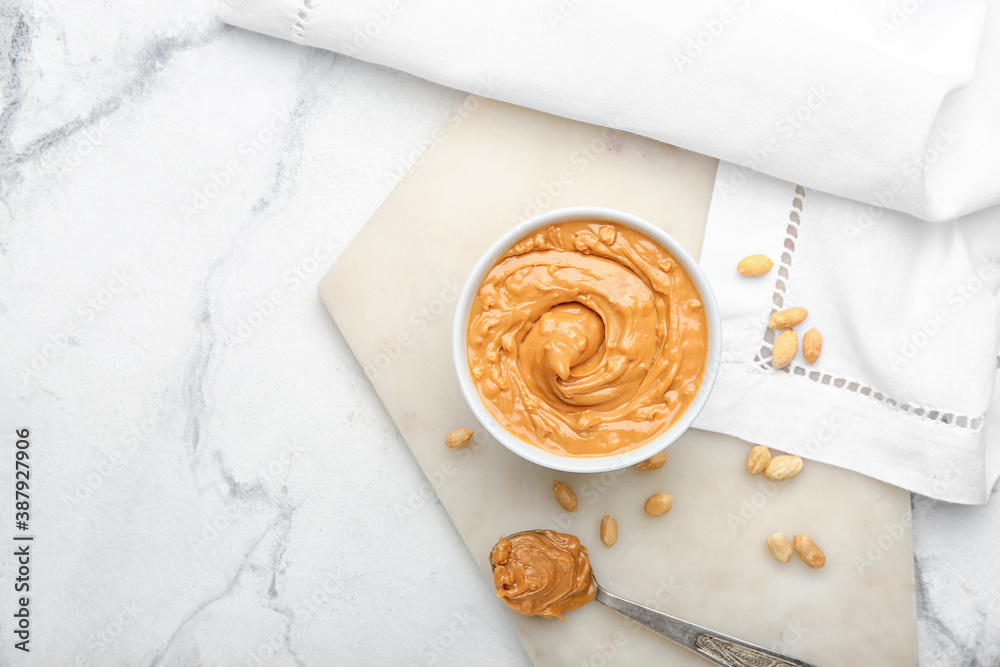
x=392, y=294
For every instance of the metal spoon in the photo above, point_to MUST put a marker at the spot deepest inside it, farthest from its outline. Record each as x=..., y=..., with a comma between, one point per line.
x=712, y=646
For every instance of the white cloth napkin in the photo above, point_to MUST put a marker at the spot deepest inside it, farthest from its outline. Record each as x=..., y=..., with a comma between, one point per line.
x=893, y=102
x=908, y=312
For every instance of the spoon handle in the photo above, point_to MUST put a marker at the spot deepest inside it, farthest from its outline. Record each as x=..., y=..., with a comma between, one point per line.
x=713, y=646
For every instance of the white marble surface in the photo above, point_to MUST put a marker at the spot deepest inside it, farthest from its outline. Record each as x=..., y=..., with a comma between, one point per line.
x=213, y=479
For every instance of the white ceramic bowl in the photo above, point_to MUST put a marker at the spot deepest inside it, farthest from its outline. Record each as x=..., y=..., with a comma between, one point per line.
x=575, y=463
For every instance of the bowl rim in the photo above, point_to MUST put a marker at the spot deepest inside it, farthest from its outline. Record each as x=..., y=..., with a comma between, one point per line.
x=533, y=453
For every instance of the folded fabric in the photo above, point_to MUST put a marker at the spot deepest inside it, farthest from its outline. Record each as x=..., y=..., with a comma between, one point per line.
x=903, y=387
x=892, y=102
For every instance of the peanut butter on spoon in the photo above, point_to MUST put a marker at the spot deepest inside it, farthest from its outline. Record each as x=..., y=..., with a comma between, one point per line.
x=545, y=573
x=542, y=573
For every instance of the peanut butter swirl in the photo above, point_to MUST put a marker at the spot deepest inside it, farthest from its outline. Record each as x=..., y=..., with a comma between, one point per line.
x=587, y=339
x=542, y=573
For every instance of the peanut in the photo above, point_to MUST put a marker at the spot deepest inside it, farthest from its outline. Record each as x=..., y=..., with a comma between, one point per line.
x=787, y=318
x=458, y=438
x=779, y=547
x=786, y=345
x=758, y=459
x=754, y=265
x=807, y=550
x=609, y=531
x=812, y=345
x=783, y=467
x=659, y=504
x=654, y=462
x=565, y=496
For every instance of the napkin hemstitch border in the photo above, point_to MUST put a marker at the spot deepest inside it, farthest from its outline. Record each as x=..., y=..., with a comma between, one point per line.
x=951, y=418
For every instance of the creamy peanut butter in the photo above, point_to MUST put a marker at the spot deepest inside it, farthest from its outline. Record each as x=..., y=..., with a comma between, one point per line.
x=587, y=339
x=542, y=573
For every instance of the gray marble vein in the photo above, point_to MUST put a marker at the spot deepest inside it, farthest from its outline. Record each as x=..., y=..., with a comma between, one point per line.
x=213, y=467
x=280, y=527
x=147, y=64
